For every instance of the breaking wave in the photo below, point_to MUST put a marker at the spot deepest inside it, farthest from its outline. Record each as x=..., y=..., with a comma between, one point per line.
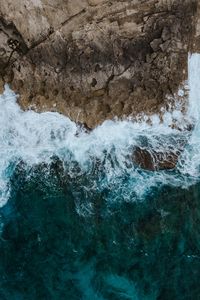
x=107, y=151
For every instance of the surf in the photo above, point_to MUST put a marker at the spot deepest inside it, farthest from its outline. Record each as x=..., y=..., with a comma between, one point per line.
x=37, y=138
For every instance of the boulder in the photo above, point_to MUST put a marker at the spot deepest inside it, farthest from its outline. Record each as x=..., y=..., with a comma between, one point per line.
x=155, y=160
x=164, y=157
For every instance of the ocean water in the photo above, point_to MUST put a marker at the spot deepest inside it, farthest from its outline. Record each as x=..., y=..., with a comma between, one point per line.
x=80, y=220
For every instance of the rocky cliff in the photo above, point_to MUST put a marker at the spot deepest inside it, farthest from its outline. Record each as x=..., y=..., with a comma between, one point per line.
x=96, y=59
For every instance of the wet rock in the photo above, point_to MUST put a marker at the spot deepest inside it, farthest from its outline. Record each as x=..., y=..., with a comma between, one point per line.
x=82, y=127
x=154, y=160
x=196, y=44
x=166, y=158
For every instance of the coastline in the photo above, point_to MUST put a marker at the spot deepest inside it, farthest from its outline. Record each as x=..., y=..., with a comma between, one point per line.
x=99, y=60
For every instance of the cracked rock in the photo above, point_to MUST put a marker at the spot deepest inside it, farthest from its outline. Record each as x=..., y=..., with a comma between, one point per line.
x=96, y=59
x=155, y=44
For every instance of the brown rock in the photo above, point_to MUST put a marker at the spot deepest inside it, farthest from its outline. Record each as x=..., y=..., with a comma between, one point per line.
x=1, y=86
x=166, y=34
x=165, y=46
x=196, y=43
x=153, y=160
x=82, y=127
x=155, y=44
x=84, y=57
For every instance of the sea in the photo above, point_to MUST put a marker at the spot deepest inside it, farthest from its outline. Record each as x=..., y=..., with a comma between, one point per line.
x=81, y=220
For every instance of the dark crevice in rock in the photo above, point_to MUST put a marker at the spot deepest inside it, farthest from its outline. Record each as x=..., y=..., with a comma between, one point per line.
x=15, y=39
x=15, y=44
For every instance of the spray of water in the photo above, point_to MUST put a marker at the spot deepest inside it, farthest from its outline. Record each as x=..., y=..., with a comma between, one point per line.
x=189, y=162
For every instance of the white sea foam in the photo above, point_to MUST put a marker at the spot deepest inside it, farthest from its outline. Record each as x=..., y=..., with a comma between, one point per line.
x=37, y=137
x=190, y=159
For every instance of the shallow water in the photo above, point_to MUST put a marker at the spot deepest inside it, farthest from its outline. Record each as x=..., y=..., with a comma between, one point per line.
x=80, y=220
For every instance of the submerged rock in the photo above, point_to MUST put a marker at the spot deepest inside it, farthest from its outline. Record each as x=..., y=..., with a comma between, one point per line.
x=164, y=159
x=93, y=60
x=154, y=160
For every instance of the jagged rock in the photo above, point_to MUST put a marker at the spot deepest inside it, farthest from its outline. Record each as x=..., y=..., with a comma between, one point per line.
x=155, y=44
x=82, y=127
x=154, y=161
x=166, y=34
x=166, y=159
x=165, y=46
x=96, y=59
x=196, y=44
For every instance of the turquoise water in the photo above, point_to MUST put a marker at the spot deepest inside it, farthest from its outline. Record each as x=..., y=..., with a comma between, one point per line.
x=125, y=250
x=80, y=220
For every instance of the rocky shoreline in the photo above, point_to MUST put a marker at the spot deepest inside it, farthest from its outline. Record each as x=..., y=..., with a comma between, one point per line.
x=97, y=59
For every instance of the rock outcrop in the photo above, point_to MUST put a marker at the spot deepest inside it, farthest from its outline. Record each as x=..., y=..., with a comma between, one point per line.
x=155, y=160
x=96, y=59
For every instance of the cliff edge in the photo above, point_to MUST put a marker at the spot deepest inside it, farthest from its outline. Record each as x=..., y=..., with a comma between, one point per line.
x=96, y=59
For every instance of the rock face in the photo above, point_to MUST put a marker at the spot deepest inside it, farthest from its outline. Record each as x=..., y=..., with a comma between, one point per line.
x=196, y=46
x=96, y=59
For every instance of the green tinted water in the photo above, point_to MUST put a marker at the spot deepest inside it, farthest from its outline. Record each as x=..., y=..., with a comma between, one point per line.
x=123, y=250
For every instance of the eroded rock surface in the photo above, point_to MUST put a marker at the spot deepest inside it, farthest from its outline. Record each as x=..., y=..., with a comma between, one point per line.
x=197, y=31
x=96, y=59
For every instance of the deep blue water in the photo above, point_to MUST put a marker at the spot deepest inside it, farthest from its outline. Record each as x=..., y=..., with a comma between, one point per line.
x=123, y=250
